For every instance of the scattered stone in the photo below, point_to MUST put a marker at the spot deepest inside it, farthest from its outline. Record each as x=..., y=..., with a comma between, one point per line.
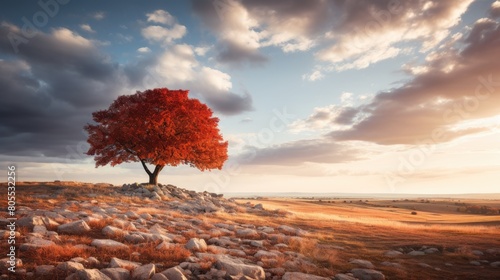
x=236, y=268
x=44, y=270
x=78, y=227
x=416, y=253
x=247, y=233
x=174, y=273
x=302, y=276
x=362, y=263
x=342, y=276
x=69, y=266
x=431, y=250
x=392, y=254
x=108, y=244
x=30, y=222
x=119, y=263
x=475, y=263
x=196, y=244
x=495, y=264
x=367, y=274
x=111, y=231
x=477, y=253
x=116, y=273
x=143, y=272
x=88, y=274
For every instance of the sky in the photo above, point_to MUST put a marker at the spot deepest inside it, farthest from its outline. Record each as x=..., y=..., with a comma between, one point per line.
x=384, y=96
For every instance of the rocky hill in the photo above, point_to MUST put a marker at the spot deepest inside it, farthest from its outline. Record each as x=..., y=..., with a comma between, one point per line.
x=98, y=231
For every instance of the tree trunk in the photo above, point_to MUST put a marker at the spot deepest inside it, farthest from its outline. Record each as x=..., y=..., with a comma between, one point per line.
x=153, y=176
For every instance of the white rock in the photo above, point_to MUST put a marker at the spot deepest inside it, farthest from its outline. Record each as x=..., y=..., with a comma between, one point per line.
x=111, y=231
x=431, y=250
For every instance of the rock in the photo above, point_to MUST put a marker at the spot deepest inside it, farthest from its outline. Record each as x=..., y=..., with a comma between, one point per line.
x=70, y=266
x=257, y=243
x=116, y=273
x=362, y=263
x=266, y=255
x=119, y=263
x=475, y=263
x=431, y=250
x=78, y=227
x=424, y=265
x=174, y=273
x=30, y=222
x=259, y=206
x=159, y=276
x=236, y=268
x=391, y=264
x=35, y=243
x=143, y=272
x=40, y=229
x=108, y=244
x=416, y=253
x=44, y=270
x=247, y=233
x=135, y=238
x=88, y=274
x=111, y=231
x=301, y=276
x=367, y=274
x=495, y=264
x=477, y=253
x=392, y=253
x=196, y=244
x=342, y=276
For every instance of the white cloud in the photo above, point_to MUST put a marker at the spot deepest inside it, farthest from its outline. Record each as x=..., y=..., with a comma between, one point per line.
x=165, y=35
x=68, y=36
x=314, y=76
x=201, y=51
x=144, y=50
x=98, y=15
x=87, y=28
x=161, y=16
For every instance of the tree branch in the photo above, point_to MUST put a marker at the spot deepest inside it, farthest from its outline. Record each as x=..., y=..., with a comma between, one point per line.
x=145, y=167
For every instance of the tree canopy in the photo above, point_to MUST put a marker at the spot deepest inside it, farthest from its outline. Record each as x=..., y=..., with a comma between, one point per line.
x=158, y=127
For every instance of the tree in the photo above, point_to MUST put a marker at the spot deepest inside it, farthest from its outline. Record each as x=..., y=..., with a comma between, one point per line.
x=158, y=127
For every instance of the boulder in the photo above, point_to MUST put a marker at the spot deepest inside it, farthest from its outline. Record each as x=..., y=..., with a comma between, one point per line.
x=144, y=272
x=88, y=274
x=116, y=273
x=78, y=227
x=362, y=263
x=174, y=273
x=367, y=274
x=236, y=268
x=119, y=263
x=302, y=276
x=196, y=244
x=108, y=244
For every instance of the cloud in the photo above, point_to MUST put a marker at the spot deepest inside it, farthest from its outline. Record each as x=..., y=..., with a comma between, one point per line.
x=347, y=34
x=49, y=91
x=161, y=16
x=86, y=27
x=165, y=35
x=177, y=67
x=144, y=50
x=314, y=76
x=156, y=33
x=299, y=152
x=99, y=15
x=461, y=83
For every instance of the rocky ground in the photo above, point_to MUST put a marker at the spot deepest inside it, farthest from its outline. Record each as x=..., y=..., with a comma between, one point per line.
x=165, y=232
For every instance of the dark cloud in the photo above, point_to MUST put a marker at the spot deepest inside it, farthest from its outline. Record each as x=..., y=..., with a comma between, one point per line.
x=229, y=103
x=458, y=86
x=298, y=152
x=49, y=90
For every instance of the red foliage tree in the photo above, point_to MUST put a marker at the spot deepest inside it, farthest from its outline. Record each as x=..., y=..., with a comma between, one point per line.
x=158, y=127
